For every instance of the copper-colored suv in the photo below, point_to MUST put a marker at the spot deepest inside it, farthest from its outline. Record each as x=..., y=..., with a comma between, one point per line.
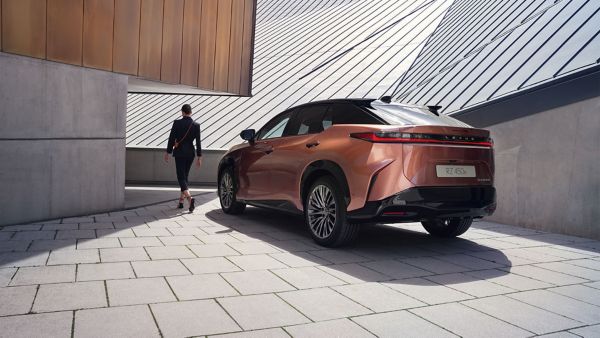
x=347, y=162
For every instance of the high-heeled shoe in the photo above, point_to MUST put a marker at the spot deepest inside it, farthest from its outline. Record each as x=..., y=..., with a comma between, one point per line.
x=180, y=205
x=192, y=204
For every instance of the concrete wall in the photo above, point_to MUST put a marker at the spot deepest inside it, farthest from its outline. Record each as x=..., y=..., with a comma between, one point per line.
x=548, y=169
x=147, y=165
x=62, y=140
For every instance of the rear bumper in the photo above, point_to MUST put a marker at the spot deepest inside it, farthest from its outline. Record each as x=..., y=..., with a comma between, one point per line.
x=421, y=203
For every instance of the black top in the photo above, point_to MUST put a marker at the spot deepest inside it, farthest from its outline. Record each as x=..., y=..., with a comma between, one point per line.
x=186, y=145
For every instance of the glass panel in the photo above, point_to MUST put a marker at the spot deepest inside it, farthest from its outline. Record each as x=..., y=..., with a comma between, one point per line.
x=275, y=127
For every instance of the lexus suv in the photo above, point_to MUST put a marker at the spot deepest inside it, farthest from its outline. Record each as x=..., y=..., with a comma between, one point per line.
x=347, y=162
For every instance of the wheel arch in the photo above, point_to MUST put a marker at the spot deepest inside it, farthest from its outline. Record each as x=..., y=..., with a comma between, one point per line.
x=323, y=168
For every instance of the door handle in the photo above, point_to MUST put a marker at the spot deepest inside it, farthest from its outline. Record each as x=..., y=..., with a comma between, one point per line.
x=312, y=144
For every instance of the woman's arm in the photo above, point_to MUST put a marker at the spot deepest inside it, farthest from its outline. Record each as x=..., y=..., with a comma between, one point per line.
x=171, y=141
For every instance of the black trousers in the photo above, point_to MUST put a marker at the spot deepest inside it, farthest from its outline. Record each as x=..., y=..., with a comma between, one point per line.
x=183, y=165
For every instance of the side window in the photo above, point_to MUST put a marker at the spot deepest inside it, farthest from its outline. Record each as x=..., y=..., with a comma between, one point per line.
x=308, y=120
x=345, y=113
x=275, y=127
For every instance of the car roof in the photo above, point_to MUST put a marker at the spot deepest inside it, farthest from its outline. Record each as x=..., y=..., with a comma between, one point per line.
x=356, y=101
x=360, y=102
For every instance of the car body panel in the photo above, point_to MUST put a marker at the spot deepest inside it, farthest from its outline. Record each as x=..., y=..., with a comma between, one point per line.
x=274, y=169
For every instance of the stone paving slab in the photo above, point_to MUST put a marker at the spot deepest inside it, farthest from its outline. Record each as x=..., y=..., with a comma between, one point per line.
x=125, y=321
x=390, y=324
x=261, y=311
x=160, y=271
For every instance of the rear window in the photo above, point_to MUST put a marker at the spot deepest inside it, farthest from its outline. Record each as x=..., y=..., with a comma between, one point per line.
x=341, y=113
x=397, y=114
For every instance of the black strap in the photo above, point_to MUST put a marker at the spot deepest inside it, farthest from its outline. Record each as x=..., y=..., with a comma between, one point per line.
x=177, y=143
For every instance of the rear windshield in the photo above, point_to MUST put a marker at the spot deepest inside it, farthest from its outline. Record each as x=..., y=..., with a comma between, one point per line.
x=397, y=114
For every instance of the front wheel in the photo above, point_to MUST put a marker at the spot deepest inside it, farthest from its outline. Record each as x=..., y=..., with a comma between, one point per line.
x=447, y=227
x=325, y=214
x=229, y=203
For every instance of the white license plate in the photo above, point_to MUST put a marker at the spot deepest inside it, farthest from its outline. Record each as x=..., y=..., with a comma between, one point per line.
x=455, y=170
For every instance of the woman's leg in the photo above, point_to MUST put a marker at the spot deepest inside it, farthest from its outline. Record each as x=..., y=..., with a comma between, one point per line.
x=188, y=166
x=180, y=165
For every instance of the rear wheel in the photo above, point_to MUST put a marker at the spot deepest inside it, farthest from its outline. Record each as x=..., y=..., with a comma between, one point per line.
x=447, y=227
x=229, y=203
x=325, y=214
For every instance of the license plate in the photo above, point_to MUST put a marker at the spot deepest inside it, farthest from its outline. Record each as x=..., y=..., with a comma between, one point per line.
x=455, y=170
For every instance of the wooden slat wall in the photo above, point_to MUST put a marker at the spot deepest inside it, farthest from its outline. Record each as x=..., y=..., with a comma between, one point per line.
x=98, y=16
x=208, y=31
x=0, y=22
x=222, y=46
x=247, y=48
x=191, y=42
x=64, y=36
x=172, y=41
x=126, y=36
x=24, y=27
x=151, y=24
x=235, y=47
x=201, y=43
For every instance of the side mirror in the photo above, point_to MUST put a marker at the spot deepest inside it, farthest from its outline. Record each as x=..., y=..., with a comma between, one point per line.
x=248, y=135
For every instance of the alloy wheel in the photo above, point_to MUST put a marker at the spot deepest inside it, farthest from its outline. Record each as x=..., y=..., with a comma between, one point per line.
x=226, y=190
x=321, y=211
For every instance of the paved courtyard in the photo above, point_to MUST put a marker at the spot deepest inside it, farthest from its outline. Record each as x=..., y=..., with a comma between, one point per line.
x=155, y=271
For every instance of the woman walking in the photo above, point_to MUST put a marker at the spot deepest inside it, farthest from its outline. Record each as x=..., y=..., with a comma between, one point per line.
x=181, y=145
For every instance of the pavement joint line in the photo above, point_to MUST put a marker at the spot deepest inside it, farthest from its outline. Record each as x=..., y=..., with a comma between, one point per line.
x=73, y=324
x=106, y=293
x=154, y=319
x=216, y=300
x=502, y=320
x=171, y=288
x=510, y=295
x=277, y=294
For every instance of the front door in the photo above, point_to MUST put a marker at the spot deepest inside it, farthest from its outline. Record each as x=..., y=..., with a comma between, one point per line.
x=257, y=160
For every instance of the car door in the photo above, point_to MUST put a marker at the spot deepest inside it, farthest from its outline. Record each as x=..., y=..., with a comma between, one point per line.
x=292, y=152
x=256, y=164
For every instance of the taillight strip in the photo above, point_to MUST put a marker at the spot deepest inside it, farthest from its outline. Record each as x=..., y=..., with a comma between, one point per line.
x=387, y=137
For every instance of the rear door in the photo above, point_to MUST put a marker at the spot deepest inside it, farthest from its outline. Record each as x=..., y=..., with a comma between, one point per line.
x=293, y=151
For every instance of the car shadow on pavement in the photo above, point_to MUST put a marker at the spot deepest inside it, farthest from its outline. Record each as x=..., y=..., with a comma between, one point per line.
x=398, y=254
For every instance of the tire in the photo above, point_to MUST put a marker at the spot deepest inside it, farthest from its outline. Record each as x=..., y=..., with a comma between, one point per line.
x=226, y=191
x=325, y=214
x=447, y=227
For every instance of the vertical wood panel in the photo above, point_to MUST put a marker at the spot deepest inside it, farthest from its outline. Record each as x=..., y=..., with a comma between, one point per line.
x=98, y=33
x=235, y=46
x=222, y=46
x=126, y=36
x=172, y=41
x=24, y=27
x=151, y=24
x=191, y=41
x=0, y=25
x=208, y=29
x=248, y=47
x=65, y=27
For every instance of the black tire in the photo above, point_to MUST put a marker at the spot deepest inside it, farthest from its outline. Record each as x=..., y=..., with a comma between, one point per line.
x=226, y=191
x=447, y=227
x=335, y=230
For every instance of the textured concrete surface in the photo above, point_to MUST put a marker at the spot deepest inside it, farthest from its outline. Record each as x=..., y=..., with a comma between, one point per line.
x=158, y=271
x=62, y=140
x=547, y=173
x=147, y=165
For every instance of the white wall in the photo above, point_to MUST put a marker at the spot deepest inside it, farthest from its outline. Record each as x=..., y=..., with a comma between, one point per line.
x=548, y=170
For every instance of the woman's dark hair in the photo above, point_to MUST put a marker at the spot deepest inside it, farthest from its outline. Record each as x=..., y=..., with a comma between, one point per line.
x=186, y=108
